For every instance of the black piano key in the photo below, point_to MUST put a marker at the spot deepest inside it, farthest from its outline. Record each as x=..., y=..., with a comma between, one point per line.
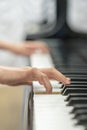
x=75, y=95
x=85, y=127
x=74, y=101
x=73, y=86
x=79, y=113
x=62, y=86
x=68, y=67
x=74, y=75
x=82, y=120
x=74, y=90
x=65, y=72
x=79, y=82
x=78, y=107
x=78, y=78
x=76, y=83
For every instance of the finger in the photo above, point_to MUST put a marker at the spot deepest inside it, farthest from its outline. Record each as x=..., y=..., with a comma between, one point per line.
x=45, y=49
x=29, y=51
x=42, y=46
x=47, y=84
x=43, y=79
x=68, y=79
x=60, y=77
x=38, y=46
x=55, y=75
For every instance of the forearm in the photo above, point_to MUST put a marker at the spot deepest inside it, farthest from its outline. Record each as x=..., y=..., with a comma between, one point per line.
x=8, y=46
x=13, y=47
x=4, y=45
x=12, y=76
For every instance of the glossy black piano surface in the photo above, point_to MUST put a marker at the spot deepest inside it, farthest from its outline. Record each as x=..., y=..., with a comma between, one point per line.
x=69, y=54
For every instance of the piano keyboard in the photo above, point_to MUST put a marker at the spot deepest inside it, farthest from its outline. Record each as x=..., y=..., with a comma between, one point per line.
x=65, y=108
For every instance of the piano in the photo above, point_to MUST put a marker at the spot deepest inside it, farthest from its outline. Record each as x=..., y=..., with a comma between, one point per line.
x=66, y=107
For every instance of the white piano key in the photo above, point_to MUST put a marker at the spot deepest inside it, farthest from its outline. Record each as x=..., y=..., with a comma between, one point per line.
x=41, y=60
x=40, y=88
x=50, y=112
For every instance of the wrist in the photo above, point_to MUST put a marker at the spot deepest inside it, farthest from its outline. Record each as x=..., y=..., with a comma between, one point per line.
x=5, y=45
x=27, y=74
x=9, y=46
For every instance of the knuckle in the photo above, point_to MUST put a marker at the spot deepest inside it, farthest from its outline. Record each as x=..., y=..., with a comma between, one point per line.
x=52, y=69
x=34, y=70
x=44, y=75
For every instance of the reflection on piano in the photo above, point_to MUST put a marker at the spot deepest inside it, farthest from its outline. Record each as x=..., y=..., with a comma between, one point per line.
x=66, y=108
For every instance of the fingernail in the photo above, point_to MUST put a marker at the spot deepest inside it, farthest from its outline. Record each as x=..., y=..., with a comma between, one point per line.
x=68, y=81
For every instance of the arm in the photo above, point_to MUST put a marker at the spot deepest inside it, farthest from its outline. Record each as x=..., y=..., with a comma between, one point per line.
x=14, y=76
x=26, y=48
